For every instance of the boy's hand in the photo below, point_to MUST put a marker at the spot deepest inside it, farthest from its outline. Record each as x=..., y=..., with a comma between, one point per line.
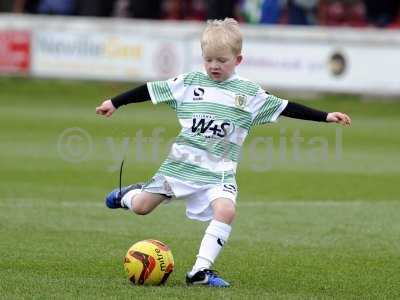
x=338, y=117
x=106, y=109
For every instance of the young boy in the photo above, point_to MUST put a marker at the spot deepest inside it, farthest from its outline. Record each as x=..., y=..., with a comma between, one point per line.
x=216, y=109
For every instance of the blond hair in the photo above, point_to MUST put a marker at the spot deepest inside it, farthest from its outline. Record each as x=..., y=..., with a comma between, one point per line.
x=222, y=34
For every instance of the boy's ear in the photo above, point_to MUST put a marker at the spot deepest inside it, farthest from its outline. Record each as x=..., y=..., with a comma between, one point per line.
x=239, y=59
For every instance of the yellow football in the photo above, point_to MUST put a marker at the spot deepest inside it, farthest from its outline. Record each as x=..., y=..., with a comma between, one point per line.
x=149, y=262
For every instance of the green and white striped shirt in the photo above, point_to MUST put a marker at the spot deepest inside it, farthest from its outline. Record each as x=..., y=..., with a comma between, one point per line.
x=215, y=118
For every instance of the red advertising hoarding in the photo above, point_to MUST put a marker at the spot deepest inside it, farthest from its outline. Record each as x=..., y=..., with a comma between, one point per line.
x=14, y=51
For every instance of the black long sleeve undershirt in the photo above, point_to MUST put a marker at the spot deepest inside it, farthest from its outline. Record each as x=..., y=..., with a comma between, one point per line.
x=139, y=94
x=299, y=111
x=292, y=109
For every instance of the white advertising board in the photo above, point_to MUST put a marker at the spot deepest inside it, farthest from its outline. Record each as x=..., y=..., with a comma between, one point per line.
x=97, y=55
x=339, y=67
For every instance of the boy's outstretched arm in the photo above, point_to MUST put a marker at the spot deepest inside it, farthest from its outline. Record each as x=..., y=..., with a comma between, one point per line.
x=108, y=107
x=299, y=111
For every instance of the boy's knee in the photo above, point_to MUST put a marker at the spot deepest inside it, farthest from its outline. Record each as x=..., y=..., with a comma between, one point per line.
x=224, y=211
x=144, y=203
x=228, y=210
x=140, y=209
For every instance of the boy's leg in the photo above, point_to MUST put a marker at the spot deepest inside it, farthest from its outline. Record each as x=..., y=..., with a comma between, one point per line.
x=217, y=233
x=132, y=197
x=144, y=202
x=149, y=196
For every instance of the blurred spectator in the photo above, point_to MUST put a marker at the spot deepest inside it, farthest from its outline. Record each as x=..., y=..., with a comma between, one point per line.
x=197, y=10
x=121, y=9
x=184, y=10
x=25, y=6
x=172, y=10
x=356, y=14
x=261, y=11
x=302, y=12
x=148, y=9
x=381, y=13
x=396, y=23
x=271, y=11
x=331, y=13
x=342, y=13
x=103, y=8
x=251, y=10
x=56, y=7
x=6, y=5
x=220, y=9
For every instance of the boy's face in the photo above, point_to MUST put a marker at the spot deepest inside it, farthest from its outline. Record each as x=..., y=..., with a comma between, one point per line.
x=220, y=64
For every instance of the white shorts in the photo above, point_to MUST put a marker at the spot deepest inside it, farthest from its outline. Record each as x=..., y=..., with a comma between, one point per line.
x=198, y=197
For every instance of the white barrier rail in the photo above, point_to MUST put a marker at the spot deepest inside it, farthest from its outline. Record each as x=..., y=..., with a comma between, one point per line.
x=291, y=58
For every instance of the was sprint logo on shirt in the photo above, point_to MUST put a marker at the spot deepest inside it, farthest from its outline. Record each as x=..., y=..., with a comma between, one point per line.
x=208, y=126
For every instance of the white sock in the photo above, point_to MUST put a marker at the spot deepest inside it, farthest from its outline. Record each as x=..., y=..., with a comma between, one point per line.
x=128, y=197
x=217, y=233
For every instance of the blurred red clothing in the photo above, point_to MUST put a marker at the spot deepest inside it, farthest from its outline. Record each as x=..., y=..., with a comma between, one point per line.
x=341, y=13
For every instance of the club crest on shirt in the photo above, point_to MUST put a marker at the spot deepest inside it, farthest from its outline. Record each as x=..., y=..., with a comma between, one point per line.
x=240, y=101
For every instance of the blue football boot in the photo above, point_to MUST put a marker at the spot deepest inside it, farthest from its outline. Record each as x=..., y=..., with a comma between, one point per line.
x=206, y=277
x=113, y=199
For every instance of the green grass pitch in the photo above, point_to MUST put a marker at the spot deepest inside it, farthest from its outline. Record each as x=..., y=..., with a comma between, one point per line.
x=316, y=220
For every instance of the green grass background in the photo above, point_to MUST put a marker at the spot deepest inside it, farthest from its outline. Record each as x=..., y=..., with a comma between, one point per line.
x=320, y=222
